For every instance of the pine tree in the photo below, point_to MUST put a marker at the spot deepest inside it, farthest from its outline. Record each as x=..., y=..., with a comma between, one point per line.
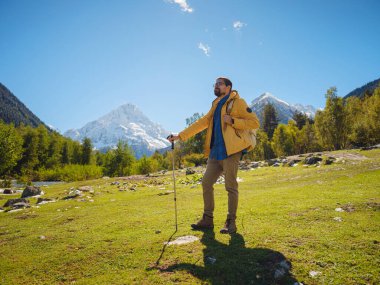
x=300, y=118
x=86, y=151
x=270, y=120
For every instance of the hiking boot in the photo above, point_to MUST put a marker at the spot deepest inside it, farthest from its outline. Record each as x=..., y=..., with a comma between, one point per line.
x=229, y=227
x=206, y=222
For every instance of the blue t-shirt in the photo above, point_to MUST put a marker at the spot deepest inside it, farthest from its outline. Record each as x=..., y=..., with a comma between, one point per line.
x=218, y=148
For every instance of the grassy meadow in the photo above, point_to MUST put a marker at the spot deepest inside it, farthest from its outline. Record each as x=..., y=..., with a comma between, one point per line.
x=285, y=213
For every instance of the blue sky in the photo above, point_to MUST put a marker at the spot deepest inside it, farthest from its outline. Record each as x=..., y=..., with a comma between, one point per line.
x=73, y=61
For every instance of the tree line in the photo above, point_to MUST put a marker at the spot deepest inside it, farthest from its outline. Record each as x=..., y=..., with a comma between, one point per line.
x=39, y=154
x=31, y=154
x=344, y=123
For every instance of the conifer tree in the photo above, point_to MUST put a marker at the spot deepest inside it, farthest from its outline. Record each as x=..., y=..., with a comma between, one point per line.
x=270, y=120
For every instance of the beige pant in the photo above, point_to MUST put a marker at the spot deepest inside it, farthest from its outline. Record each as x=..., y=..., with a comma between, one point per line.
x=215, y=168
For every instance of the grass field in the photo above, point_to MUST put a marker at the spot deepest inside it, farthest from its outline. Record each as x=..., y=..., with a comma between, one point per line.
x=285, y=213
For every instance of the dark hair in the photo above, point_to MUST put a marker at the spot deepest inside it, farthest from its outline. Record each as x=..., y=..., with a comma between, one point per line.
x=226, y=81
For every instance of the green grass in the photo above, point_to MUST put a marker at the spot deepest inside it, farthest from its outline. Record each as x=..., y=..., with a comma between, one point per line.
x=283, y=213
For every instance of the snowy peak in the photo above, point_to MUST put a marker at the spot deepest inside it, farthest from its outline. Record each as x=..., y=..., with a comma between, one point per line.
x=285, y=111
x=267, y=98
x=126, y=123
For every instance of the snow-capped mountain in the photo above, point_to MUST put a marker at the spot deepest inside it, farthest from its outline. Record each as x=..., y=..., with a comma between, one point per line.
x=126, y=123
x=285, y=111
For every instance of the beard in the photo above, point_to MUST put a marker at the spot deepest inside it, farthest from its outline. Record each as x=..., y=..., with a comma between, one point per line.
x=217, y=92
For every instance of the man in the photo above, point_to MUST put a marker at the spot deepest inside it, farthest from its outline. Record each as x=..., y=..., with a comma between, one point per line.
x=227, y=126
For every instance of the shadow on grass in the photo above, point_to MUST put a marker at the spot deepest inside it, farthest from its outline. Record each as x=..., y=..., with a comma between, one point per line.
x=236, y=264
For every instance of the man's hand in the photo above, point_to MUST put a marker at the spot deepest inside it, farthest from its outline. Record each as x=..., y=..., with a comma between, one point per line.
x=172, y=138
x=228, y=119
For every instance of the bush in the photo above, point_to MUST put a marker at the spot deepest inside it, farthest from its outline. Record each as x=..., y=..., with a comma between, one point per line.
x=196, y=159
x=71, y=172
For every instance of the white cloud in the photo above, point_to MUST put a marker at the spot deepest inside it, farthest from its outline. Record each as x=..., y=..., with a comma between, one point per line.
x=205, y=48
x=238, y=25
x=183, y=4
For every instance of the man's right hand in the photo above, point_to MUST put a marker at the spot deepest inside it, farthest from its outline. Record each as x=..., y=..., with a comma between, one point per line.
x=173, y=138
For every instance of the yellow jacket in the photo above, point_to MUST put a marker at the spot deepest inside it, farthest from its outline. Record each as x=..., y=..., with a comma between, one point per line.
x=236, y=136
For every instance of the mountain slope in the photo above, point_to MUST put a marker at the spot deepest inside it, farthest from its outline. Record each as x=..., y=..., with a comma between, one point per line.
x=364, y=90
x=126, y=123
x=12, y=110
x=285, y=111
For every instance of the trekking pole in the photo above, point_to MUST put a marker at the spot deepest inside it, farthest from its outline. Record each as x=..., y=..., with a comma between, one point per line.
x=175, y=192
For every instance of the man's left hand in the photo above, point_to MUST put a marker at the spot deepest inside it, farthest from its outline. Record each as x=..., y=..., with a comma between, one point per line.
x=227, y=119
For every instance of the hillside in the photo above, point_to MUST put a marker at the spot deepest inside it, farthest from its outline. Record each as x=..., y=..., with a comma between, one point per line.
x=321, y=223
x=12, y=110
x=365, y=89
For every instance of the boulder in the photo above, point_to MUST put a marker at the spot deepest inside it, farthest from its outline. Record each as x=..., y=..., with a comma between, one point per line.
x=312, y=160
x=11, y=202
x=31, y=191
x=8, y=191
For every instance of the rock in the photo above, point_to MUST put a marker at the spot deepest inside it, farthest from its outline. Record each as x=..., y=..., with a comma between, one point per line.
x=244, y=167
x=329, y=161
x=190, y=171
x=11, y=202
x=42, y=237
x=21, y=205
x=273, y=161
x=45, y=201
x=182, y=240
x=338, y=219
x=314, y=273
x=254, y=165
x=157, y=232
x=31, y=191
x=210, y=259
x=73, y=194
x=312, y=160
x=85, y=188
x=8, y=191
x=293, y=162
x=276, y=164
x=105, y=177
x=115, y=183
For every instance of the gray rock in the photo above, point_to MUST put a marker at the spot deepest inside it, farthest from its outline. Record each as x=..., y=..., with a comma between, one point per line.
x=255, y=164
x=312, y=160
x=85, y=188
x=273, y=161
x=44, y=200
x=276, y=164
x=20, y=205
x=329, y=161
x=11, y=202
x=31, y=191
x=8, y=191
